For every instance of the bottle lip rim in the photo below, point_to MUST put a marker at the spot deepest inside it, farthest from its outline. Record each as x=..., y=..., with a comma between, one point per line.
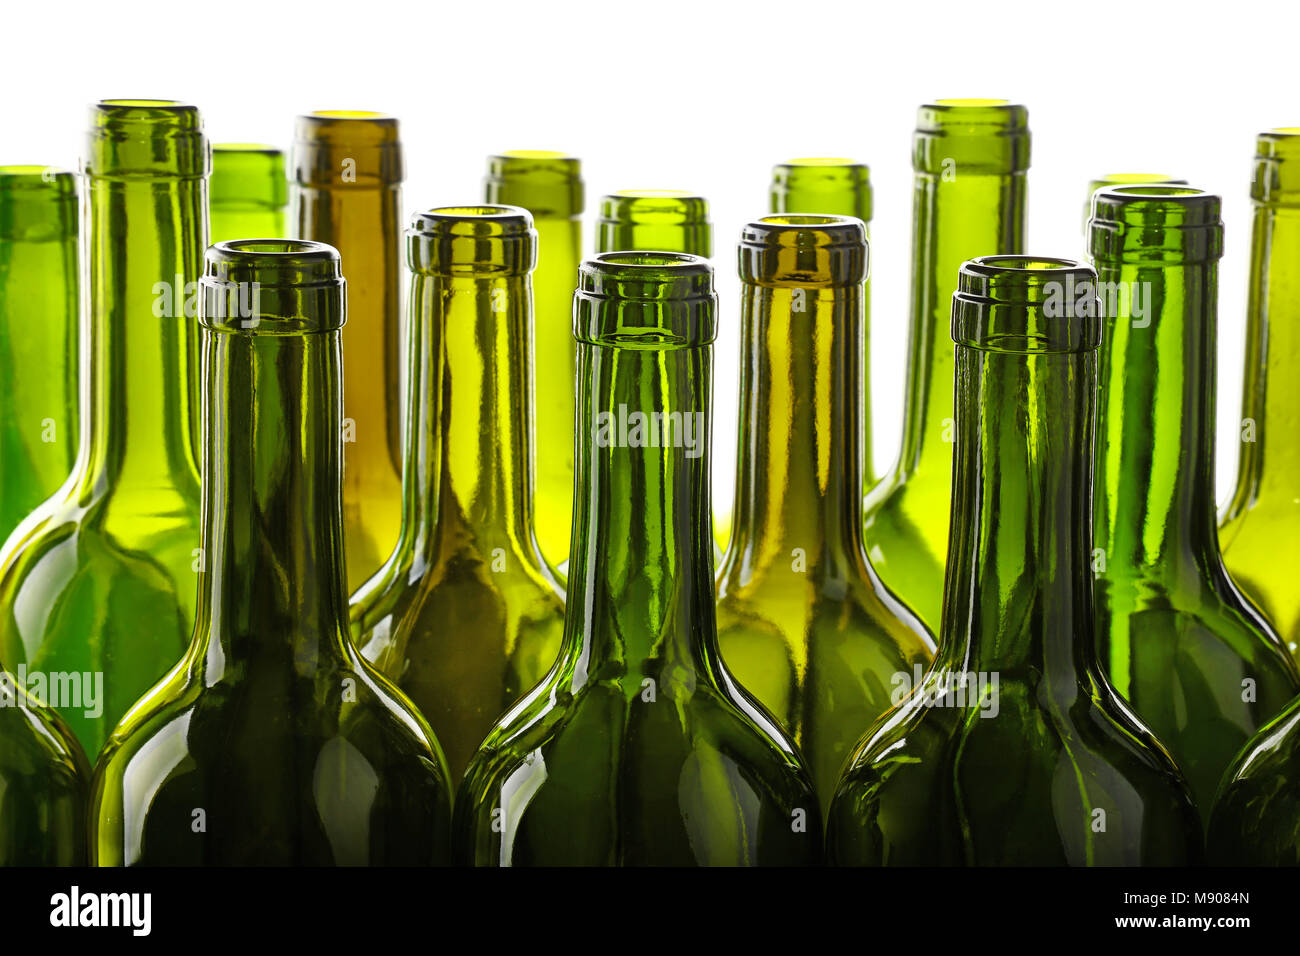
x=361, y=116
x=821, y=162
x=249, y=250
x=247, y=149
x=767, y=232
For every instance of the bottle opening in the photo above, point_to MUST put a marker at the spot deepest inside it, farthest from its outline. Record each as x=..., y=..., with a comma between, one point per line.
x=1026, y=304
x=244, y=148
x=804, y=250
x=478, y=241
x=652, y=194
x=645, y=300
x=351, y=114
x=546, y=182
x=134, y=139
x=972, y=136
x=1277, y=174
x=1155, y=223
x=535, y=154
x=822, y=161
x=272, y=287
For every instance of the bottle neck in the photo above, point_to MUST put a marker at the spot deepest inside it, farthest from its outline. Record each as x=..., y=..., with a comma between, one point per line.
x=1018, y=596
x=1272, y=390
x=957, y=214
x=1155, y=473
x=641, y=574
x=145, y=250
x=273, y=585
x=467, y=477
x=800, y=464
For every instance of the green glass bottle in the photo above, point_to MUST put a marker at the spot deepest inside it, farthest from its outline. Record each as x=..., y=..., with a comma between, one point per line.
x=639, y=747
x=970, y=159
x=248, y=193
x=1013, y=749
x=837, y=187
x=1260, y=529
x=1125, y=179
x=39, y=311
x=654, y=220
x=465, y=616
x=549, y=185
x=272, y=742
x=1195, y=659
x=803, y=620
x=43, y=781
x=346, y=191
x=97, y=588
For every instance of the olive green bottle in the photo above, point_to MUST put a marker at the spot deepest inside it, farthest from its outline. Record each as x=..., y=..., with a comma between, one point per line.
x=654, y=220
x=98, y=586
x=43, y=781
x=347, y=191
x=970, y=159
x=1125, y=179
x=248, y=192
x=39, y=311
x=838, y=187
x=272, y=742
x=803, y=620
x=1013, y=749
x=1260, y=529
x=465, y=616
x=549, y=185
x=1256, y=817
x=1196, y=660
x=639, y=747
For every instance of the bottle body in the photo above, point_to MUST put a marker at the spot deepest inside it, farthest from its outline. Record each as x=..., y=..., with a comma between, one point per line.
x=39, y=289
x=970, y=158
x=638, y=748
x=1194, y=658
x=1256, y=817
x=1261, y=525
x=804, y=622
x=272, y=742
x=248, y=192
x=97, y=588
x=346, y=191
x=465, y=617
x=1013, y=749
x=549, y=185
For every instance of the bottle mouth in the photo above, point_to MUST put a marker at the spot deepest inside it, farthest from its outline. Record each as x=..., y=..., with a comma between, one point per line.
x=146, y=139
x=546, y=182
x=248, y=174
x=976, y=136
x=804, y=250
x=1026, y=304
x=801, y=185
x=1277, y=167
x=482, y=240
x=645, y=300
x=357, y=148
x=1155, y=223
x=639, y=219
x=272, y=287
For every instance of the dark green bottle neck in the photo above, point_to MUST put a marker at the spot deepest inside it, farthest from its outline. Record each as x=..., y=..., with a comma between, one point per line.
x=800, y=464
x=1269, y=466
x=468, y=468
x=145, y=248
x=1156, y=428
x=640, y=586
x=1018, y=596
x=273, y=588
x=956, y=214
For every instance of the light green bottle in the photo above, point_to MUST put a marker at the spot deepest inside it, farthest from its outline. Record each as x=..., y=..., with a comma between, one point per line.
x=39, y=311
x=1125, y=179
x=970, y=158
x=647, y=220
x=248, y=193
x=549, y=185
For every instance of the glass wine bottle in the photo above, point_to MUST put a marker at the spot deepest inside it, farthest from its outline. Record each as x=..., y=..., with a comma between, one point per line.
x=347, y=191
x=98, y=585
x=1196, y=660
x=970, y=158
x=639, y=747
x=1260, y=528
x=465, y=616
x=654, y=220
x=248, y=193
x=1124, y=179
x=804, y=622
x=549, y=185
x=1013, y=749
x=39, y=290
x=272, y=742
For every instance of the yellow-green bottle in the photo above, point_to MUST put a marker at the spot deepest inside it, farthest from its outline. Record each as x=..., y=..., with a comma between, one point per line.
x=970, y=158
x=549, y=185
x=248, y=192
x=654, y=220
x=1125, y=179
x=347, y=192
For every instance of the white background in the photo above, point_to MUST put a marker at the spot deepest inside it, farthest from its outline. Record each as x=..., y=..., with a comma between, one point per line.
x=706, y=96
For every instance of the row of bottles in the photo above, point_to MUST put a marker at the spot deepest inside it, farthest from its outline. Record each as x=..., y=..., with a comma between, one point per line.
x=367, y=566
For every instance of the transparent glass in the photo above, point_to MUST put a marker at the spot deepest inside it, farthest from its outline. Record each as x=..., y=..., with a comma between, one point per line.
x=248, y=193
